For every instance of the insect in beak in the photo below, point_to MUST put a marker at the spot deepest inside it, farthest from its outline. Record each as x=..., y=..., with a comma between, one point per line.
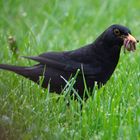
x=129, y=42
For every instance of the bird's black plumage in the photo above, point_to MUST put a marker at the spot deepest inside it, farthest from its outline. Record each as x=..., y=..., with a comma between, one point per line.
x=98, y=61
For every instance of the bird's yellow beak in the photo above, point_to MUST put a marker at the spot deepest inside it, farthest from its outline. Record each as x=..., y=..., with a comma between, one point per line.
x=131, y=38
x=130, y=42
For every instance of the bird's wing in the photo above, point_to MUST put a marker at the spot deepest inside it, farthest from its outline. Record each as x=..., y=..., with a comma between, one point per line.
x=65, y=63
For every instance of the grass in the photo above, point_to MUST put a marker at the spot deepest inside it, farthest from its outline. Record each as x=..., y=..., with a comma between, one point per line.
x=30, y=112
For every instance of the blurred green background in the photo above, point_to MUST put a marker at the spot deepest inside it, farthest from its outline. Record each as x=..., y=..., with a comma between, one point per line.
x=29, y=112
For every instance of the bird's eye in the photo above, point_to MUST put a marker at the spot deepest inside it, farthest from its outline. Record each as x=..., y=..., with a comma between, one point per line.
x=117, y=32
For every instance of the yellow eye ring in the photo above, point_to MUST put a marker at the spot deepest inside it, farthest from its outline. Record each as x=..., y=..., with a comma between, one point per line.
x=117, y=32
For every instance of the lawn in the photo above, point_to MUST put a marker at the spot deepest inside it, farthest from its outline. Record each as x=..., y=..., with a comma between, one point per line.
x=28, y=112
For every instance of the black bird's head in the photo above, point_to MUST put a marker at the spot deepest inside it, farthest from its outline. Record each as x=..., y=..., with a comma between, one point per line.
x=118, y=35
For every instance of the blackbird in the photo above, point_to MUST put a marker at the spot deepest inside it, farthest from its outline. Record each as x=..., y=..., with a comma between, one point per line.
x=96, y=62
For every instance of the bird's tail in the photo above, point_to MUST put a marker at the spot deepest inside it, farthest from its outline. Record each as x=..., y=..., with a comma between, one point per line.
x=17, y=69
x=31, y=73
x=10, y=67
